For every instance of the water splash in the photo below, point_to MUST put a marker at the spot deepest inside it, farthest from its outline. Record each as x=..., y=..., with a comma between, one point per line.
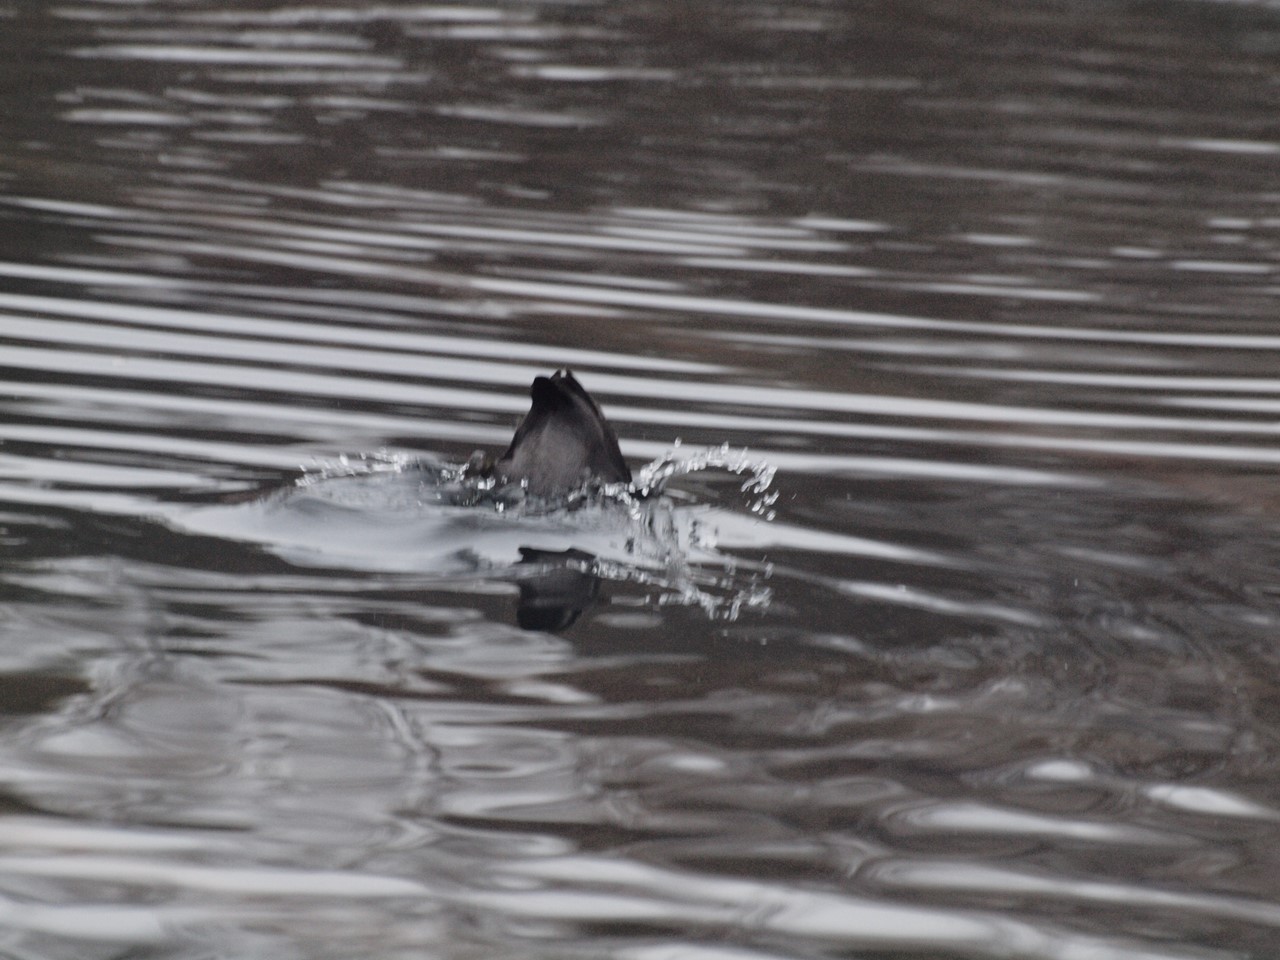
x=759, y=474
x=359, y=465
x=674, y=544
x=664, y=542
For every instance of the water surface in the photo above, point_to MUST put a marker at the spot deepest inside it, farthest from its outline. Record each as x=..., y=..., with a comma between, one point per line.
x=992, y=287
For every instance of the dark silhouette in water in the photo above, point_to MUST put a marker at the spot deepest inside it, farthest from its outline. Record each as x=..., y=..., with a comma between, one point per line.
x=555, y=597
x=563, y=441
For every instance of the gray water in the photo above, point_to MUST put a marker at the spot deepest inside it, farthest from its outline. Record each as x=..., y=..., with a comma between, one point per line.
x=987, y=667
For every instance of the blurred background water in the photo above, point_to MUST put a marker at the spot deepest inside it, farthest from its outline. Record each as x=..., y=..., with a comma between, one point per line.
x=992, y=286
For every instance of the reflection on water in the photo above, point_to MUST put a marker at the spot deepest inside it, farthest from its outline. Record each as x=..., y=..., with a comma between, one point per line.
x=987, y=668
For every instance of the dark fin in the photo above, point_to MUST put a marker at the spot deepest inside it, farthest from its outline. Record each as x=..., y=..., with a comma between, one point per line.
x=562, y=441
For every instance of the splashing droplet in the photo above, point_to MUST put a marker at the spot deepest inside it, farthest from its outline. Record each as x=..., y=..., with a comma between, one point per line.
x=759, y=473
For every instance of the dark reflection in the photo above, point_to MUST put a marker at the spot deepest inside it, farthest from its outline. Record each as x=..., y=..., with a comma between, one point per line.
x=36, y=693
x=555, y=596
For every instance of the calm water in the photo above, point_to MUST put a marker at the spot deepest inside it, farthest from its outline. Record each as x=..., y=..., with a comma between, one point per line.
x=987, y=670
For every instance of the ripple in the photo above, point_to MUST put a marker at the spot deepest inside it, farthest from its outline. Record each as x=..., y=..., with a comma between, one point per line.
x=236, y=55
x=253, y=882
x=109, y=924
x=975, y=818
x=1210, y=802
x=849, y=920
x=924, y=875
